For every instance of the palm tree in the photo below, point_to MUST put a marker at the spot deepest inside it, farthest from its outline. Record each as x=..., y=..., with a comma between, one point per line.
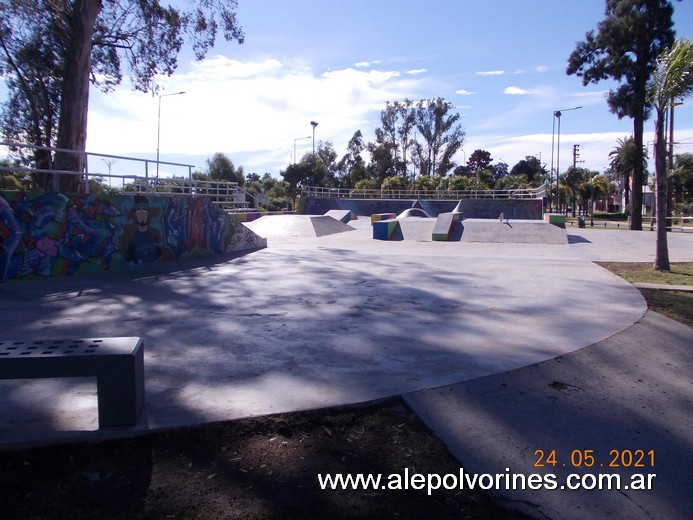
x=622, y=163
x=599, y=187
x=673, y=79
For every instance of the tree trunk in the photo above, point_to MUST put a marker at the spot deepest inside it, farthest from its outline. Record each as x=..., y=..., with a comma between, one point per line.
x=72, y=125
x=661, y=262
x=636, y=194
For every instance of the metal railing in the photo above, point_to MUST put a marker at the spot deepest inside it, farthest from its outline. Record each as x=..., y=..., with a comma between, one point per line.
x=141, y=166
x=325, y=193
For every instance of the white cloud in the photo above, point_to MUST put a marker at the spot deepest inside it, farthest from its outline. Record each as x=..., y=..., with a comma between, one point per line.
x=490, y=73
x=415, y=72
x=250, y=108
x=463, y=92
x=541, y=68
x=516, y=91
x=366, y=64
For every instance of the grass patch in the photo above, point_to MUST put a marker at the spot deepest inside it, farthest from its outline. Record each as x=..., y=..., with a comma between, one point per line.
x=675, y=305
x=642, y=272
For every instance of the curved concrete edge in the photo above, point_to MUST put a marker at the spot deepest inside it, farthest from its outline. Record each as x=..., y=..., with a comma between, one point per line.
x=630, y=391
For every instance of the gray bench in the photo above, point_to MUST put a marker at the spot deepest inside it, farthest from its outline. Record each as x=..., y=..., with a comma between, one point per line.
x=117, y=364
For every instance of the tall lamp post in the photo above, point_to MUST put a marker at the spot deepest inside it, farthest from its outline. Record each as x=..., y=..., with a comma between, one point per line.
x=158, y=129
x=298, y=139
x=313, y=124
x=557, y=115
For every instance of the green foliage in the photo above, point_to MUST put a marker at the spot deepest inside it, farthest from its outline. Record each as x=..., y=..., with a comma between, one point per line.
x=394, y=152
x=682, y=176
x=458, y=183
x=424, y=183
x=50, y=51
x=9, y=182
x=529, y=166
x=366, y=184
x=221, y=168
x=394, y=183
x=625, y=48
x=479, y=160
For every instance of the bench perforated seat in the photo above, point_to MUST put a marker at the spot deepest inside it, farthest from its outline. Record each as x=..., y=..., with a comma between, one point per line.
x=117, y=364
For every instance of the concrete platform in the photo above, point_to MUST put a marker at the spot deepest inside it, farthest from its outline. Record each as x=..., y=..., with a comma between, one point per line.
x=629, y=392
x=297, y=226
x=342, y=215
x=338, y=319
x=512, y=231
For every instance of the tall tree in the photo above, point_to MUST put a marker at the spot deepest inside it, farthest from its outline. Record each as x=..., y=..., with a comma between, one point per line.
x=530, y=166
x=625, y=48
x=392, y=138
x=90, y=39
x=479, y=160
x=672, y=80
x=442, y=135
x=221, y=168
x=31, y=65
x=351, y=166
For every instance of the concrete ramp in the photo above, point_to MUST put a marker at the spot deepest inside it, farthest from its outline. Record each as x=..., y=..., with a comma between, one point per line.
x=342, y=215
x=512, y=231
x=297, y=226
x=415, y=228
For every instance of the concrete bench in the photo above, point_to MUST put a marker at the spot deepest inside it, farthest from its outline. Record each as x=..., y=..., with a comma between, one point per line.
x=117, y=364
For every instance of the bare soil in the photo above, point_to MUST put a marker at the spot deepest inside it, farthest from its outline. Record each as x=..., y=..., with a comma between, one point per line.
x=262, y=468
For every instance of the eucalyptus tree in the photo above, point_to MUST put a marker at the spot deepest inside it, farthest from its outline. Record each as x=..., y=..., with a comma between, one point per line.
x=671, y=81
x=625, y=48
x=442, y=136
x=93, y=42
x=393, y=139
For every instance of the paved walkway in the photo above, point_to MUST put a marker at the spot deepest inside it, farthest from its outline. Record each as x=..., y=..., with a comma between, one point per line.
x=338, y=319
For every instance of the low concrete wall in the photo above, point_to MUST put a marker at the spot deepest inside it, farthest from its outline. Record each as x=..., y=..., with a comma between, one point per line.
x=526, y=209
x=54, y=234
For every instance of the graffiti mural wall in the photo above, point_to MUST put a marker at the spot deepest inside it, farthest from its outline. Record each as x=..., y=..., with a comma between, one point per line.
x=53, y=234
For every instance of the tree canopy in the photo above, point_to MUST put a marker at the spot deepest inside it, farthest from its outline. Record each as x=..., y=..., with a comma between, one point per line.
x=671, y=80
x=625, y=48
x=50, y=52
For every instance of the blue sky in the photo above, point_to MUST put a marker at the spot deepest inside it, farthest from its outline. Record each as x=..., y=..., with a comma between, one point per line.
x=501, y=62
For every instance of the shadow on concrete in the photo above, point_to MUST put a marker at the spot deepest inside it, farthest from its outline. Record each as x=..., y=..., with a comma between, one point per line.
x=626, y=393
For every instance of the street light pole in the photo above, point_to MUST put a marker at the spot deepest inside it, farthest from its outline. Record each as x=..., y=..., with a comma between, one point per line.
x=557, y=115
x=313, y=124
x=298, y=139
x=158, y=129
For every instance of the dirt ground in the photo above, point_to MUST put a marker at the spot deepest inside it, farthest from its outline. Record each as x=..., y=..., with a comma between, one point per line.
x=261, y=468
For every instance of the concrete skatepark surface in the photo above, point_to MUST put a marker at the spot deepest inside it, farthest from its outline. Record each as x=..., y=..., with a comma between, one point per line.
x=338, y=319
x=297, y=226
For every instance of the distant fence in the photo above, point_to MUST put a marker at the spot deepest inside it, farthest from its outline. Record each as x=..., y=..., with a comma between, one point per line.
x=228, y=194
x=340, y=193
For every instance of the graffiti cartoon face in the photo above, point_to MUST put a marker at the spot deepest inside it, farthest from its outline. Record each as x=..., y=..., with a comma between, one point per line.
x=141, y=213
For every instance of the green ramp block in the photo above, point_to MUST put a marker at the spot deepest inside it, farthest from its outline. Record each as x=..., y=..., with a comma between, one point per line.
x=555, y=219
x=441, y=231
x=383, y=229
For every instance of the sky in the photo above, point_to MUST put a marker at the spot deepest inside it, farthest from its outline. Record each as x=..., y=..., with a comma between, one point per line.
x=500, y=62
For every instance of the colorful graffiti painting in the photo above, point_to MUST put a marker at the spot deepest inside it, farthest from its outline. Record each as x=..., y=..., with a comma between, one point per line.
x=53, y=234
